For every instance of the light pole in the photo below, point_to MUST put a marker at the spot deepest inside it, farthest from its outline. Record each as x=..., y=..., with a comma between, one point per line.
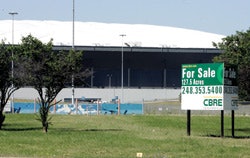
x=73, y=48
x=12, y=55
x=122, y=35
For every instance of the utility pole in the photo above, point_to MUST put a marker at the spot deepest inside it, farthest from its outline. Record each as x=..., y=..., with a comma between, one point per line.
x=122, y=35
x=73, y=48
x=12, y=62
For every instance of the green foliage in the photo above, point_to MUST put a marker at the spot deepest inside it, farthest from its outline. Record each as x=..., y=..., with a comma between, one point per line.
x=5, y=77
x=8, y=83
x=236, y=51
x=47, y=71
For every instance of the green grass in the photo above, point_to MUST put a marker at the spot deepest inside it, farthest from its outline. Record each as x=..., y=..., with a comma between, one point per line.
x=123, y=136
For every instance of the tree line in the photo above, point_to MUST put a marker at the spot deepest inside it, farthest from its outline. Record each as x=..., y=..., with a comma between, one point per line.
x=236, y=52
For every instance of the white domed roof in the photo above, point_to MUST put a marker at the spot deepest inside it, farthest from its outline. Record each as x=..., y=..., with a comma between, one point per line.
x=107, y=34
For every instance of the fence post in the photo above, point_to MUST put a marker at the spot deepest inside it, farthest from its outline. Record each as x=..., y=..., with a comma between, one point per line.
x=119, y=102
x=76, y=106
x=142, y=108
x=35, y=105
x=97, y=106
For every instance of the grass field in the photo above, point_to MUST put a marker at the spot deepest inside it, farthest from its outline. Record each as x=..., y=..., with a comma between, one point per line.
x=124, y=136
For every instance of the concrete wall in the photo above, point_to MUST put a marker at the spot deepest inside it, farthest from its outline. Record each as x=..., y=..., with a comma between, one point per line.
x=107, y=94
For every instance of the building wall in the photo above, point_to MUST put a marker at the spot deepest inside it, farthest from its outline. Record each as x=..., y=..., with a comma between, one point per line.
x=143, y=67
x=133, y=95
x=149, y=73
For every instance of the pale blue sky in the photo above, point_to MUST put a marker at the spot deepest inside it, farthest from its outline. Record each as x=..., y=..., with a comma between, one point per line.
x=216, y=16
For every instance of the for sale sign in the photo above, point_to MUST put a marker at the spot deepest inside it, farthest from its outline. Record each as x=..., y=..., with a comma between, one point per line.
x=203, y=87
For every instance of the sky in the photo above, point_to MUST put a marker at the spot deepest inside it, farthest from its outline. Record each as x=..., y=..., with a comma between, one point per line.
x=223, y=17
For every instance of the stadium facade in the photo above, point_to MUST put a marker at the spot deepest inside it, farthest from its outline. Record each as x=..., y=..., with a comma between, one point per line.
x=152, y=56
x=143, y=67
x=150, y=73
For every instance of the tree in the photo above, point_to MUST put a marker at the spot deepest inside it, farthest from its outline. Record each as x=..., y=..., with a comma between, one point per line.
x=8, y=83
x=236, y=51
x=47, y=71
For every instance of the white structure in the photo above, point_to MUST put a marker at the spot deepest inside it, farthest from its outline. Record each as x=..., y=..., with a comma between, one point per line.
x=104, y=34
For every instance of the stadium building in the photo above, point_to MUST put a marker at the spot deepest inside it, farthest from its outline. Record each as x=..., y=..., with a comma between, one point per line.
x=149, y=56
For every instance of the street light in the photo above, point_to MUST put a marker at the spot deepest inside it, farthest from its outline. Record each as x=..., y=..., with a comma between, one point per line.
x=73, y=48
x=12, y=54
x=122, y=35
